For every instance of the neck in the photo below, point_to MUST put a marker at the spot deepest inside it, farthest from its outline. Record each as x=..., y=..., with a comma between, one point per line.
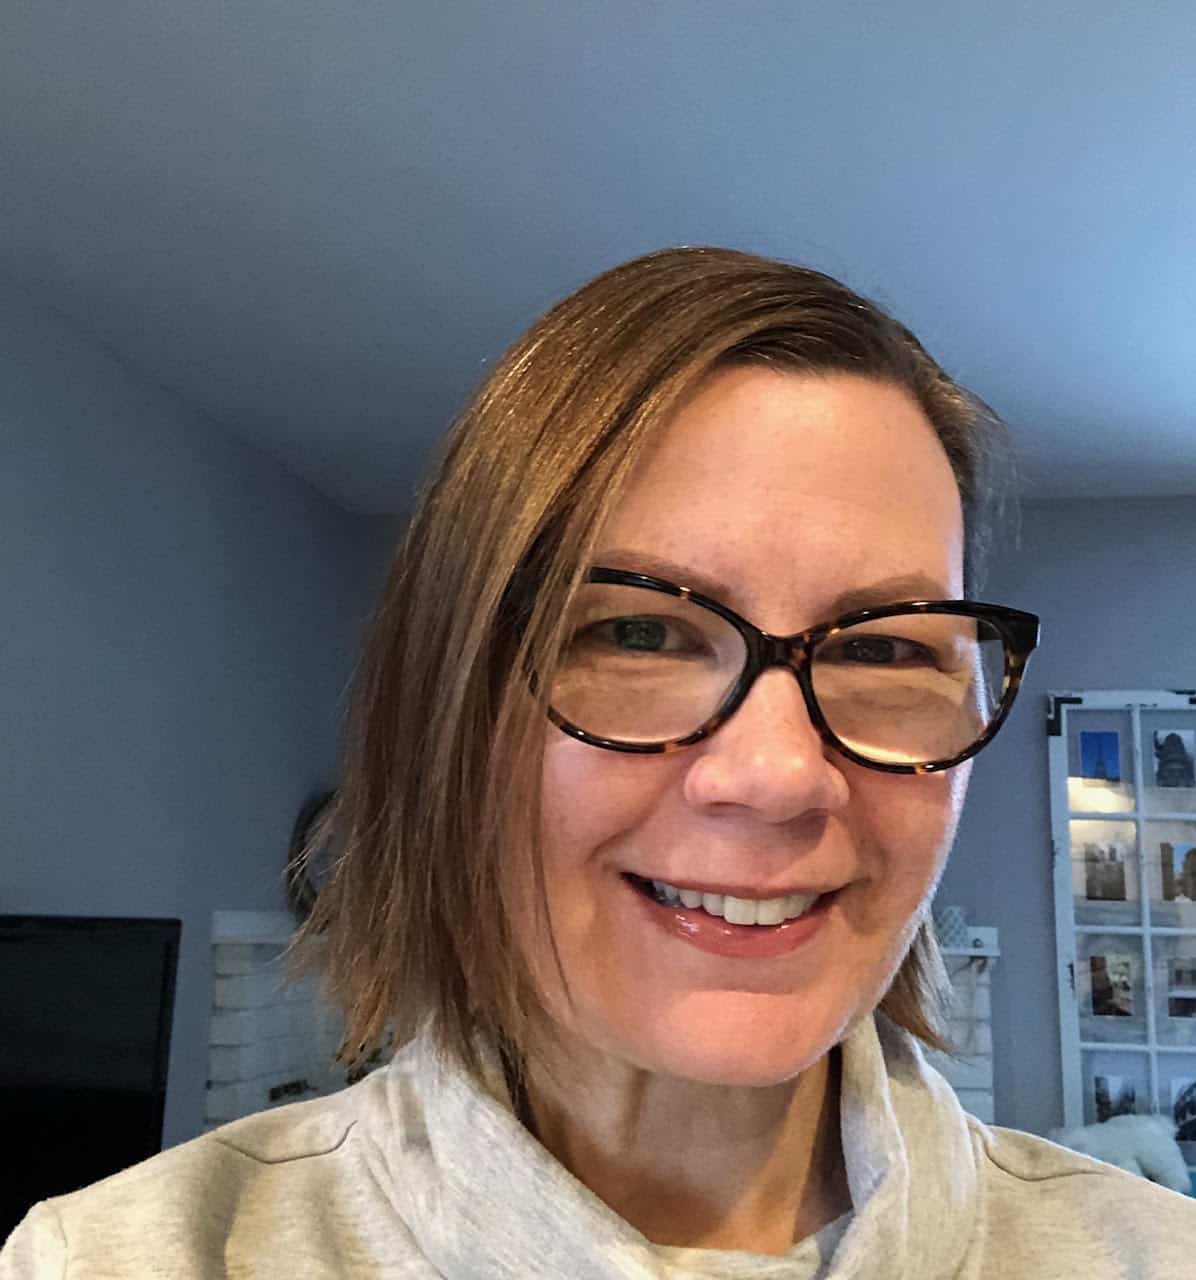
x=766, y=1172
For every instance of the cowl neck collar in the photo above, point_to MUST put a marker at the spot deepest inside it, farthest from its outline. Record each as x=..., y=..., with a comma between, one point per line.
x=483, y=1198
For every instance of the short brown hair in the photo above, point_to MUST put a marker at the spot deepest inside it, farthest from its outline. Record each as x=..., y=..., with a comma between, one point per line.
x=437, y=813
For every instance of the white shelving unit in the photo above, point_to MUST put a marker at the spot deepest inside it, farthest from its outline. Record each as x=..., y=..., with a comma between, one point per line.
x=1123, y=826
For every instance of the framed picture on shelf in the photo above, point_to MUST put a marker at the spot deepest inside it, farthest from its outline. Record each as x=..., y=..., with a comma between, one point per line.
x=1175, y=758
x=1114, y=1096
x=1183, y=1107
x=1178, y=865
x=1100, y=756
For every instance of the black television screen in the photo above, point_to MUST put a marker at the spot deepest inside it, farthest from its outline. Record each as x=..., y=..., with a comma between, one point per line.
x=86, y=1004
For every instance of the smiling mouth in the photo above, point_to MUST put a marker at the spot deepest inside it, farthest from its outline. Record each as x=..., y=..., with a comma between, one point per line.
x=780, y=910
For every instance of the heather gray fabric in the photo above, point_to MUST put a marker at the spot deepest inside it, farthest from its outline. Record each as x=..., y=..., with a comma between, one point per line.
x=415, y=1173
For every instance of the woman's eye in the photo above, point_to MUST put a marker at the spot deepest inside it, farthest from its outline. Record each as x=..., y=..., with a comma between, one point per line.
x=883, y=650
x=639, y=635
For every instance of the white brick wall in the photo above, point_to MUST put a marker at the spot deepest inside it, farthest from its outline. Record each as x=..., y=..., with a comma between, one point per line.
x=263, y=1035
x=971, y=1029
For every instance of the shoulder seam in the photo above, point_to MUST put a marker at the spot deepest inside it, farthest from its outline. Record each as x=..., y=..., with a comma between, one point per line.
x=288, y=1159
x=985, y=1133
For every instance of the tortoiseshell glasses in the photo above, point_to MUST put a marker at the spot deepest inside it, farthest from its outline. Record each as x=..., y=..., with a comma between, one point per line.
x=914, y=687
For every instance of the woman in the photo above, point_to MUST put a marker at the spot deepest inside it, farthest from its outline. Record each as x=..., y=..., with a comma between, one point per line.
x=657, y=753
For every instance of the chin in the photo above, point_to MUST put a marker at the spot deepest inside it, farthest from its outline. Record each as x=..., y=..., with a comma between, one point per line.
x=750, y=1046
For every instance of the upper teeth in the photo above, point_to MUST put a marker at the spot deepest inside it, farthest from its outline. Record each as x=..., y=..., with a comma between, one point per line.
x=740, y=910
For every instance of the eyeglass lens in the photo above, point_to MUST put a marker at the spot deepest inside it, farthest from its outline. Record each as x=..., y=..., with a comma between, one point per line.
x=642, y=667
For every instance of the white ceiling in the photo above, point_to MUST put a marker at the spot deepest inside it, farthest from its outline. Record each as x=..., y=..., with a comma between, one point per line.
x=321, y=223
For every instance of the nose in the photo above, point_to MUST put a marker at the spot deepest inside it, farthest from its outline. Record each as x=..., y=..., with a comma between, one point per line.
x=769, y=757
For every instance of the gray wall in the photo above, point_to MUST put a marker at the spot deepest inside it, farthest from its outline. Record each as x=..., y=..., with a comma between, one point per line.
x=181, y=616
x=1115, y=585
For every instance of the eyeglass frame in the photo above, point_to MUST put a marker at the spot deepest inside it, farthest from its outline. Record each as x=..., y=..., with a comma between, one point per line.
x=1018, y=629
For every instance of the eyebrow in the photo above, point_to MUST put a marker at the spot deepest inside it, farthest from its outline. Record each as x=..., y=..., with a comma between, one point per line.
x=903, y=587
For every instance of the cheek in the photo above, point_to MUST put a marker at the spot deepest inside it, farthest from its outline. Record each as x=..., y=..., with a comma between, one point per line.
x=909, y=824
x=592, y=802
x=591, y=796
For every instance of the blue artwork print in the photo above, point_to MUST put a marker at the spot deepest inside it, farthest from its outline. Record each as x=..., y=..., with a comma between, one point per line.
x=1100, y=756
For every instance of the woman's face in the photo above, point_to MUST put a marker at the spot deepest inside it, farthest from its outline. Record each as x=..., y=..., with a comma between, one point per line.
x=789, y=490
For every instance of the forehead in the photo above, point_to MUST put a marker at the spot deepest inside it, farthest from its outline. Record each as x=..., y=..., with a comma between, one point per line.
x=792, y=489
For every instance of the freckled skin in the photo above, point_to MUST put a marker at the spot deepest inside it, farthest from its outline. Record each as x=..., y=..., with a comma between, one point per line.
x=706, y=1106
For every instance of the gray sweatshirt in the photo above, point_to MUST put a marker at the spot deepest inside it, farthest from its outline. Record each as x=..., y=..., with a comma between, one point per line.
x=413, y=1172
